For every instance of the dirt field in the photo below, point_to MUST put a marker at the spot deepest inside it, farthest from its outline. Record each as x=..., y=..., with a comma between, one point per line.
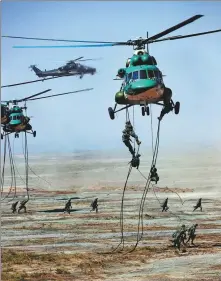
x=45, y=244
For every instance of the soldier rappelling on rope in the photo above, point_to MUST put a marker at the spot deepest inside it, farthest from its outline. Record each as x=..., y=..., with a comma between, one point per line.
x=168, y=103
x=135, y=162
x=22, y=206
x=154, y=175
x=127, y=133
x=198, y=205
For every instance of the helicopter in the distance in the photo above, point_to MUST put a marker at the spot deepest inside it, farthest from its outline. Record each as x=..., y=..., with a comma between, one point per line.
x=71, y=68
x=15, y=121
x=142, y=80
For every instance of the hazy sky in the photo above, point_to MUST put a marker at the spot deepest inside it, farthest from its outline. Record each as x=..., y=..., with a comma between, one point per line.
x=81, y=121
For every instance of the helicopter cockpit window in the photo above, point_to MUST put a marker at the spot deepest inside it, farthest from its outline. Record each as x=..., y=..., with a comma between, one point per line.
x=128, y=77
x=151, y=74
x=135, y=75
x=143, y=74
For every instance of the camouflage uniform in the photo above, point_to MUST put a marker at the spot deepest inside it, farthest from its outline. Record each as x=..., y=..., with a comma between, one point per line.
x=127, y=133
x=68, y=207
x=94, y=205
x=168, y=106
x=135, y=162
x=153, y=174
x=164, y=205
x=191, y=233
x=178, y=237
x=183, y=234
x=22, y=206
x=198, y=205
x=13, y=207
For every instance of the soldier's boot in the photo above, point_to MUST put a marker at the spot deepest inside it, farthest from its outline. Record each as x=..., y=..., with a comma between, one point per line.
x=138, y=142
x=25, y=210
x=192, y=239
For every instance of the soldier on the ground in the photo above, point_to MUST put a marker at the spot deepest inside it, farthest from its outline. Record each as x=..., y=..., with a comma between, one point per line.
x=68, y=207
x=94, y=205
x=191, y=233
x=22, y=206
x=13, y=207
x=164, y=205
x=198, y=205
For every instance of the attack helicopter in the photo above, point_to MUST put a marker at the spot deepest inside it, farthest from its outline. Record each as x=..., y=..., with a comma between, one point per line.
x=71, y=68
x=13, y=119
x=142, y=80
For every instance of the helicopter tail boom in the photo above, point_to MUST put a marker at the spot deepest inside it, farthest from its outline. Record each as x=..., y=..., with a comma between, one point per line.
x=37, y=71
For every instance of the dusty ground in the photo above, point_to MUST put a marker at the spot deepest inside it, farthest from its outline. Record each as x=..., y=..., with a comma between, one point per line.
x=45, y=245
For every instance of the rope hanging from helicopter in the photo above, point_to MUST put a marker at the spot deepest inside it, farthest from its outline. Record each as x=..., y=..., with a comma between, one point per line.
x=12, y=169
x=23, y=149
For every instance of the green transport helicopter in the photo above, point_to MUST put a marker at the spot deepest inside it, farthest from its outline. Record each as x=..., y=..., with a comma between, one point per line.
x=142, y=80
x=13, y=119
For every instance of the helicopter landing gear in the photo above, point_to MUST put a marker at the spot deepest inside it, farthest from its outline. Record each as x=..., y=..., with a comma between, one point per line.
x=34, y=134
x=111, y=113
x=16, y=135
x=145, y=109
x=177, y=107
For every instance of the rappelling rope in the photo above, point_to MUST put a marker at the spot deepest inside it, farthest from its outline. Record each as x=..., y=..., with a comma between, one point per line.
x=13, y=151
x=151, y=123
x=3, y=169
x=124, y=189
x=13, y=179
x=121, y=213
x=31, y=168
x=146, y=189
x=26, y=164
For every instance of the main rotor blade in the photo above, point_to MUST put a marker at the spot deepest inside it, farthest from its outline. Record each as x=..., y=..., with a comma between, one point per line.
x=28, y=82
x=185, y=36
x=78, y=58
x=68, y=46
x=25, y=99
x=175, y=27
x=58, y=40
x=62, y=94
x=91, y=59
